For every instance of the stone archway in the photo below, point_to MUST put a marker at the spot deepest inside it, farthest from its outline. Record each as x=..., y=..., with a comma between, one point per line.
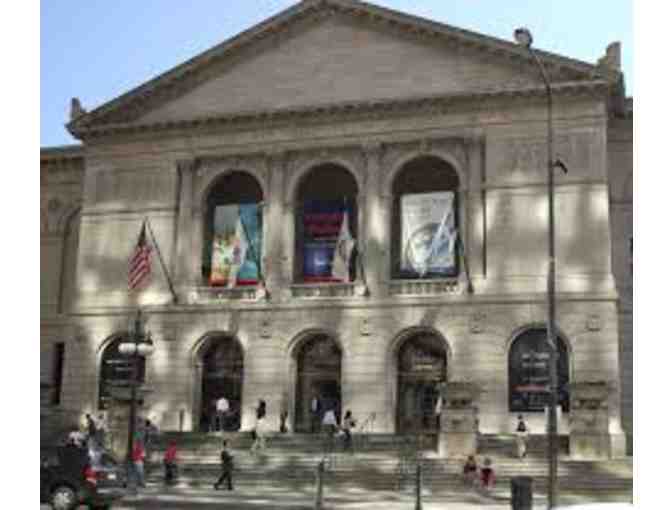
x=318, y=373
x=221, y=375
x=421, y=367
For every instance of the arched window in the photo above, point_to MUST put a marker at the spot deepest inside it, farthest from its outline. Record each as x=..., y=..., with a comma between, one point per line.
x=425, y=221
x=233, y=231
x=326, y=226
x=529, y=376
x=116, y=372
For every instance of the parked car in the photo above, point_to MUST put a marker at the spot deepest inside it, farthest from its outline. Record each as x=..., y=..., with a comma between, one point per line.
x=70, y=476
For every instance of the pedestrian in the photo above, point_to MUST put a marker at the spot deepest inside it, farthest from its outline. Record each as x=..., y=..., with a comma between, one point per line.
x=259, y=429
x=470, y=470
x=150, y=437
x=227, y=468
x=438, y=408
x=90, y=427
x=138, y=457
x=222, y=407
x=315, y=410
x=101, y=432
x=170, y=463
x=487, y=475
x=349, y=423
x=283, y=422
x=522, y=433
x=329, y=422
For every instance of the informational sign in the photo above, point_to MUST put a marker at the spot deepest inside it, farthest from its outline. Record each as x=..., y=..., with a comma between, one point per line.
x=322, y=221
x=529, y=373
x=116, y=373
x=428, y=235
x=236, y=245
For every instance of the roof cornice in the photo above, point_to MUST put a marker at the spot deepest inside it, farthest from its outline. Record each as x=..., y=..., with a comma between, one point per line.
x=345, y=110
x=61, y=153
x=131, y=105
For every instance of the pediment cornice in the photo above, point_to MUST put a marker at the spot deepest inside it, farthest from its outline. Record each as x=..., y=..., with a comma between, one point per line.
x=370, y=109
x=127, y=108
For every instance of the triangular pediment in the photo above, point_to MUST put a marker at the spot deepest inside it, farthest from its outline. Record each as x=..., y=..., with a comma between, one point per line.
x=327, y=52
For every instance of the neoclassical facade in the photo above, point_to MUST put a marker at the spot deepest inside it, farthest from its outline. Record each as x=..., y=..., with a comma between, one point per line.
x=338, y=99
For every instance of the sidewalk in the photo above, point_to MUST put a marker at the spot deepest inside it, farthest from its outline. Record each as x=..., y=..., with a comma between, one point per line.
x=248, y=499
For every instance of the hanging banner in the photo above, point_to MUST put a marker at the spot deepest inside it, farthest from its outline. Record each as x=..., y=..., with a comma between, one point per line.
x=322, y=229
x=236, y=245
x=428, y=235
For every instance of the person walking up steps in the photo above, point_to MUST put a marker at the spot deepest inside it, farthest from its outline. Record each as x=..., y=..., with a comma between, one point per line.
x=521, y=437
x=260, y=429
x=227, y=468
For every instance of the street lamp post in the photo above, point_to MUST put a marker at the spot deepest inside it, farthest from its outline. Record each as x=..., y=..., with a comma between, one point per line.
x=139, y=344
x=524, y=38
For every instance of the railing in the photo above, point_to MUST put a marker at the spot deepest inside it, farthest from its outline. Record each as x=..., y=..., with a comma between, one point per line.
x=362, y=436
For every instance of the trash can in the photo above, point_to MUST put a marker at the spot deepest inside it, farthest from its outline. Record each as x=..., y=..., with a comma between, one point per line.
x=521, y=493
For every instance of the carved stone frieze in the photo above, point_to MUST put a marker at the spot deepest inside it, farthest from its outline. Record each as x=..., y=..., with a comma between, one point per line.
x=329, y=291
x=424, y=287
x=114, y=187
x=477, y=322
x=210, y=169
x=265, y=326
x=365, y=327
x=55, y=212
x=453, y=150
x=528, y=157
x=594, y=323
x=214, y=295
x=301, y=161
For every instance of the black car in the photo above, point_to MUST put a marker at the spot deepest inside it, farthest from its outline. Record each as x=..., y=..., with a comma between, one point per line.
x=70, y=476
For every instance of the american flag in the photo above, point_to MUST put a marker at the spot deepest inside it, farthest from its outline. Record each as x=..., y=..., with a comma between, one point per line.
x=140, y=267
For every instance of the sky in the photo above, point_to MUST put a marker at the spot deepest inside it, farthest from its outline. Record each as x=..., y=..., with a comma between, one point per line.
x=97, y=51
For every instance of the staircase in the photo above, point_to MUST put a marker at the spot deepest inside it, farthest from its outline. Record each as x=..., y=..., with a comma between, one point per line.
x=381, y=462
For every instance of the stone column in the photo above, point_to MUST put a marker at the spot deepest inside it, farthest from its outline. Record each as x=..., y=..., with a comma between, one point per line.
x=373, y=241
x=183, y=268
x=274, y=214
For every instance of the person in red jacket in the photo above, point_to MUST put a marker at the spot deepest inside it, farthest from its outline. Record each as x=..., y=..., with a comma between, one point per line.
x=138, y=458
x=170, y=463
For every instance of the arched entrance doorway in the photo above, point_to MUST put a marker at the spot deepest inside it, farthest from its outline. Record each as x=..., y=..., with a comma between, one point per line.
x=222, y=376
x=116, y=371
x=421, y=367
x=318, y=374
x=529, y=374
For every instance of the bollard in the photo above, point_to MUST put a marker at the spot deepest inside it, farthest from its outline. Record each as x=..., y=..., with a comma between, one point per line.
x=521, y=493
x=418, y=487
x=318, y=493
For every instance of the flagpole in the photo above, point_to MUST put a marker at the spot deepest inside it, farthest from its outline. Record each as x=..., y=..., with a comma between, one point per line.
x=470, y=286
x=163, y=265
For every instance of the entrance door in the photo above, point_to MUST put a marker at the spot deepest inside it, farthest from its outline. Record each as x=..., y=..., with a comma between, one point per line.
x=421, y=368
x=319, y=374
x=222, y=377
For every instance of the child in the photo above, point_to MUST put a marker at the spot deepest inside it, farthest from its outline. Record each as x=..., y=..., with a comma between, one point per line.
x=470, y=470
x=170, y=463
x=521, y=437
x=487, y=475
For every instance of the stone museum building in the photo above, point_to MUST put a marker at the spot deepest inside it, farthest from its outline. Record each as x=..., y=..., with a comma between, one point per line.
x=350, y=202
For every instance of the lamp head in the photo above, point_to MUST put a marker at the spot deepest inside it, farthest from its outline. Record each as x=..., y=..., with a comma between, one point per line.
x=523, y=37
